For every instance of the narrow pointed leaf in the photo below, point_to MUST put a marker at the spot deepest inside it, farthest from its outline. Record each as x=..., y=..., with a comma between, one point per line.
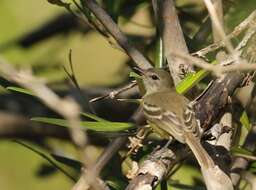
x=134, y=75
x=92, y=116
x=191, y=80
x=102, y=126
x=48, y=158
x=68, y=161
x=240, y=150
x=245, y=121
x=20, y=90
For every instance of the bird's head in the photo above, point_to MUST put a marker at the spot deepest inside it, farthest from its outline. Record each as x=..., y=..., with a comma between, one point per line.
x=156, y=80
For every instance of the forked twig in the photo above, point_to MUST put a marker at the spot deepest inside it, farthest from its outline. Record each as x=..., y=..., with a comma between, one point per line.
x=238, y=29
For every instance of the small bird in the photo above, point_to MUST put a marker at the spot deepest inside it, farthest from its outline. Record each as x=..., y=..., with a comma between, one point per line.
x=171, y=112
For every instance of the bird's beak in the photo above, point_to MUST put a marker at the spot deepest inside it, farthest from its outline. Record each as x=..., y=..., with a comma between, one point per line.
x=139, y=71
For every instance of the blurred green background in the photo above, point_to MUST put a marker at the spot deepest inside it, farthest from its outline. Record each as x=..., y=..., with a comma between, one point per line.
x=95, y=61
x=18, y=166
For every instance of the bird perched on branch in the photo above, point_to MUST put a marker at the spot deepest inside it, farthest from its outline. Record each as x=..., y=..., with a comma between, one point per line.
x=170, y=112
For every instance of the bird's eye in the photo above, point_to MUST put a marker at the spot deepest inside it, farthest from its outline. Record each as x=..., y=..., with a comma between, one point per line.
x=154, y=77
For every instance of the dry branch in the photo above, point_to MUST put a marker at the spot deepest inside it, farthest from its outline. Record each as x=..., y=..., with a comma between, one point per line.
x=247, y=23
x=113, y=29
x=173, y=40
x=153, y=169
x=66, y=107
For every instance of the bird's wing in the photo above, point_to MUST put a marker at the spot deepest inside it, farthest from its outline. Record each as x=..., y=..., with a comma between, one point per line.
x=190, y=123
x=165, y=120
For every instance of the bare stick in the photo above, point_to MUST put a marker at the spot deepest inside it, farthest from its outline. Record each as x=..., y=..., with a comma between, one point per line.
x=113, y=29
x=173, y=40
x=116, y=92
x=218, y=25
x=219, y=69
x=238, y=29
x=66, y=107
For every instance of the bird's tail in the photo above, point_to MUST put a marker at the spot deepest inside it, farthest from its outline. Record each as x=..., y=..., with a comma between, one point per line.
x=203, y=158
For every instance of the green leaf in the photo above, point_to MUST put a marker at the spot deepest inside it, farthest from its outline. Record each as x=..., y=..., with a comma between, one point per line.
x=253, y=167
x=68, y=161
x=191, y=80
x=48, y=158
x=60, y=3
x=20, y=90
x=99, y=126
x=240, y=150
x=116, y=183
x=134, y=75
x=245, y=121
x=92, y=116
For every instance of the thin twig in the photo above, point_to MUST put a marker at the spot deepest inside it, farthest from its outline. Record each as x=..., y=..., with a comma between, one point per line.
x=218, y=25
x=219, y=69
x=238, y=29
x=115, y=92
x=66, y=107
x=113, y=29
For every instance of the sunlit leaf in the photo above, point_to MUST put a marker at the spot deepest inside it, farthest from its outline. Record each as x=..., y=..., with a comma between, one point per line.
x=99, y=126
x=245, y=121
x=134, y=75
x=191, y=80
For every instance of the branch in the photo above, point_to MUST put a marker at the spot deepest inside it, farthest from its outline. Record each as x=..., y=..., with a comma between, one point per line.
x=220, y=69
x=217, y=4
x=173, y=40
x=153, y=169
x=113, y=29
x=248, y=22
x=66, y=107
x=217, y=24
x=210, y=106
x=17, y=126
